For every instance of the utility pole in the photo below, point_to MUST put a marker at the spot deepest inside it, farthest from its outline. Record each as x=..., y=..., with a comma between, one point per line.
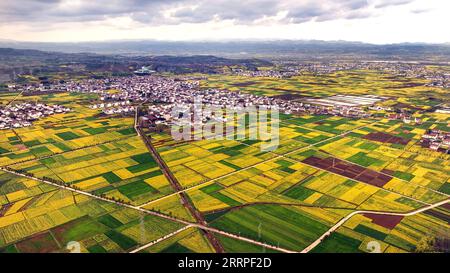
x=259, y=230
x=74, y=199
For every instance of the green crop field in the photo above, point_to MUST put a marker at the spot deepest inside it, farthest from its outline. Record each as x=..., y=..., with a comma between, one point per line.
x=87, y=177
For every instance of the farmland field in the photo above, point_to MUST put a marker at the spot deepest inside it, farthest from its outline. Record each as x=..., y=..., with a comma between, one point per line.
x=244, y=130
x=90, y=178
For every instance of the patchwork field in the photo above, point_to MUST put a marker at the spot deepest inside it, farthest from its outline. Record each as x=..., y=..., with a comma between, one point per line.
x=392, y=233
x=121, y=169
x=355, y=82
x=36, y=217
x=323, y=169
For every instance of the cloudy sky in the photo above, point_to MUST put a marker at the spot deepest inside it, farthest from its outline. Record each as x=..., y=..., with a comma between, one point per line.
x=373, y=21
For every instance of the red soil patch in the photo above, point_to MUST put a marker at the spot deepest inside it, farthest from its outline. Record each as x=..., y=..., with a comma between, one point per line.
x=388, y=172
x=244, y=84
x=446, y=206
x=386, y=138
x=290, y=96
x=387, y=221
x=349, y=170
x=21, y=147
x=4, y=209
x=438, y=214
x=41, y=243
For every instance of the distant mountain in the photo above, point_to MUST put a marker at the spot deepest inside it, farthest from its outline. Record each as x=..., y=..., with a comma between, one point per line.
x=238, y=49
x=62, y=57
x=15, y=62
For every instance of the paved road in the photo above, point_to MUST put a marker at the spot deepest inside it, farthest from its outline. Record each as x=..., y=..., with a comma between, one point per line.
x=65, y=152
x=64, y=187
x=234, y=236
x=392, y=177
x=343, y=220
x=319, y=168
x=277, y=156
x=160, y=239
x=178, y=188
x=14, y=99
x=197, y=225
x=136, y=121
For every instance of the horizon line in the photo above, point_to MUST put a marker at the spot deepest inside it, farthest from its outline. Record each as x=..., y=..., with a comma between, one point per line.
x=221, y=41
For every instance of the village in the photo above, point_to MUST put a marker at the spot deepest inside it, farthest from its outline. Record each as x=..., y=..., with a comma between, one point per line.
x=162, y=93
x=123, y=96
x=23, y=114
x=436, y=140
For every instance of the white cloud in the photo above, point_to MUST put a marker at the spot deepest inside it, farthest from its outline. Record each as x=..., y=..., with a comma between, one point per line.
x=375, y=21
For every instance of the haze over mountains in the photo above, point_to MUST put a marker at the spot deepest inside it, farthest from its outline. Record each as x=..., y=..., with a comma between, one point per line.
x=238, y=49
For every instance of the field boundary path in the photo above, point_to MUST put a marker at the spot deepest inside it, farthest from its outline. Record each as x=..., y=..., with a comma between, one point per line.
x=286, y=156
x=227, y=234
x=279, y=156
x=343, y=220
x=167, y=217
x=178, y=188
x=167, y=236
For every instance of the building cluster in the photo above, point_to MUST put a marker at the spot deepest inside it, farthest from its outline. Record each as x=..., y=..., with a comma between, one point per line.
x=22, y=115
x=114, y=107
x=109, y=104
x=144, y=71
x=316, y=68
x=436, y=140
x=86, y=86
x=220, y=99
x=405, y=117
x=164, y=93
x=119, y=110
x=286, y=69
x=437, y=79
x=346, y=100
x=443, y=110
x=270, y=73
x=283, y=69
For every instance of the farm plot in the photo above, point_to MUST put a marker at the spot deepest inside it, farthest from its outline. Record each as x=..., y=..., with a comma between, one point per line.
x=171, y=205
x=197, y=162
x=275, y=181
x=393, y=234
x=190, y=240
x=12, y=150
x=359, y=173
x=123, y=170
x=53, y=138
x=354, y=82
x=232, y=245
x=337, y=125
x=36, y=217
x=292, y=228
x=24, y=144
x=284, y=181
x=410, y=163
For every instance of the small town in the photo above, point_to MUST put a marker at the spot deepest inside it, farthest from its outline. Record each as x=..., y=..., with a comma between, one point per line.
x=23, y=114
x=163, y=93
